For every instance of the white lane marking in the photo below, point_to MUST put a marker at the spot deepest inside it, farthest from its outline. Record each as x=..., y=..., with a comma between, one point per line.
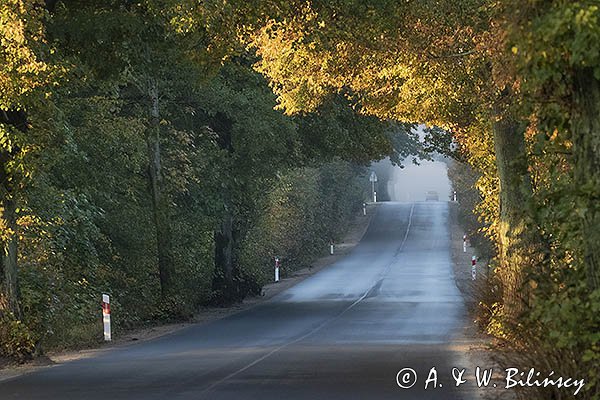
x=253, y=363
x=412, y=209
x=319, y=327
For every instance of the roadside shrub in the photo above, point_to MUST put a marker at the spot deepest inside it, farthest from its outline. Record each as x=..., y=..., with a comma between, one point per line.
x=16, y=340
x=173, y=308
x=560, y=333
x=308, y=208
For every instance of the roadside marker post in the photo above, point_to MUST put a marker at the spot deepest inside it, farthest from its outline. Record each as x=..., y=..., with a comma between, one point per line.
x=454, y=196
x=464, y=243
x=473, y=267
x=106, y=317
x=331, y=247
x=277, y=264
x=374, y=197
x=364, y=208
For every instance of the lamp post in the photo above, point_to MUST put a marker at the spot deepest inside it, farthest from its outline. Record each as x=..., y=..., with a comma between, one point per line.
x=373, y=179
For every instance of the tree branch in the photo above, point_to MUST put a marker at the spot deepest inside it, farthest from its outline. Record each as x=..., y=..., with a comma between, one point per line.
x=455, y=55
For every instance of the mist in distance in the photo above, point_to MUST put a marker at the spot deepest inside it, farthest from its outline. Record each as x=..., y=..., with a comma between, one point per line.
x=412, y=182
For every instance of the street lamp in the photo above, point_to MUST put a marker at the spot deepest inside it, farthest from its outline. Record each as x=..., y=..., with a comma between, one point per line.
x=373, y=179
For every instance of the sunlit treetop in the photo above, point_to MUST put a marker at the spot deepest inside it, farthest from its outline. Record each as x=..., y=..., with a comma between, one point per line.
x=551, y=42
x=22, y=51
x=412, y=61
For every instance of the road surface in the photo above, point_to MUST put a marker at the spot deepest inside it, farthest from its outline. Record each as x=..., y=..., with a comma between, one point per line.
x=343, y=333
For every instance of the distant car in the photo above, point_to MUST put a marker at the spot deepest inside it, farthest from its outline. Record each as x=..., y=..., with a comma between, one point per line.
x=432, y=195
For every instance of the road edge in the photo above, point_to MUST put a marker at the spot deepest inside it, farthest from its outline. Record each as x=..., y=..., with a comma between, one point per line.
x=477, y=346
x=205, y=315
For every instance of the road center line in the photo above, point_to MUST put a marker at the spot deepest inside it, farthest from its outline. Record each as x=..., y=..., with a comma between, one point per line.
x=320, y=326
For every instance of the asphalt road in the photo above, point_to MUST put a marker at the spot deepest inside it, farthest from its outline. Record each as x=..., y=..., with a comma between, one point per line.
x=343, y=333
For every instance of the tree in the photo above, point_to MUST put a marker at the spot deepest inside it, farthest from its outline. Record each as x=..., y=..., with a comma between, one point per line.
x=560, y=76
x=140, y=51
x=22, y=75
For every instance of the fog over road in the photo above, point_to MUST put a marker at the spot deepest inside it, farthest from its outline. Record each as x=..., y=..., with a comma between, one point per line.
x=412, y=182
x=343, y=333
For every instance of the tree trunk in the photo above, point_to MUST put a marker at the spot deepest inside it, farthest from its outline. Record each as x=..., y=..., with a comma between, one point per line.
x=159, y=204
x=9, y=272
x=586, y=151
x=518, y=235
x=225, y=264
x=224, y=249
x=8, y=257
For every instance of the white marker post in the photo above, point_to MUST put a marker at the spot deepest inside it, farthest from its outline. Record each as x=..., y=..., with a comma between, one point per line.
x=331, y=248
x=364, y=208
x=473, y=269
x=464, y=243
x=454, y=196
x=106, y=317
x=277, y=264
x=374, y=197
